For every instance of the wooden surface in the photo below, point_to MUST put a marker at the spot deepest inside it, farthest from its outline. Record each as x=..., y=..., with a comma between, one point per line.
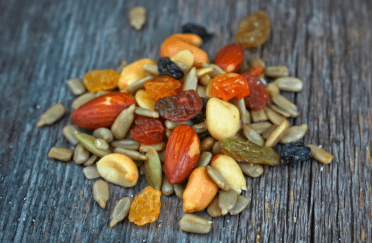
x=326, y=43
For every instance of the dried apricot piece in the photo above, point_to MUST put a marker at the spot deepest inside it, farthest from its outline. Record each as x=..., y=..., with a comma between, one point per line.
x=229, y=85
x=97, y=80
x=145, y=207
x=163, y=86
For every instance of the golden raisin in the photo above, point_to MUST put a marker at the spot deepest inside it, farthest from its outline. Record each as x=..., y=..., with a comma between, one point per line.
x=145, y=207
x=163, y=86
x=97, y=80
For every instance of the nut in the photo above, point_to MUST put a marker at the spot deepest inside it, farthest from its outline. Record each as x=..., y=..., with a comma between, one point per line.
x=144, y=100
x=133, y=73
x=184, y=56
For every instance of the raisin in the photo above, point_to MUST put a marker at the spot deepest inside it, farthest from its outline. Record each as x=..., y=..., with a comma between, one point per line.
x=147, y=130
x=146, y=207
x=295, y=152
x=201, y=116
x=180, y=108
x=229, y=85
x=167, y=67
x=97, y=80
x=197, y=29
x=258, y=97
x=163, y=86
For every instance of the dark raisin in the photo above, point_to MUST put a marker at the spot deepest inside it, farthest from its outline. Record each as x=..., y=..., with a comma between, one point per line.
x=167, y=67
x=201, y=116
x=197, y=29
x=258, y=96
x=295, y=152
x=147, y=130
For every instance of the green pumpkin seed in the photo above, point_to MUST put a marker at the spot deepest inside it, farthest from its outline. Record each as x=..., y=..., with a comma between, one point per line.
x=240, y=205
x=214, y=209
x=227, y=200
x=153, y=169
x=101, y=192
x=121, y=210
x=195, y=224
x=167, y=188
x=89, y=143
x=218, y=178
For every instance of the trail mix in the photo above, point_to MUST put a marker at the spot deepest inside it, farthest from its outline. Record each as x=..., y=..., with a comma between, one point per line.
x=192, y=127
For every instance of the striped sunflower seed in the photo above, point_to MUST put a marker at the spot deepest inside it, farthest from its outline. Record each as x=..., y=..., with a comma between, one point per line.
x=204, y=158
x=167, y=188
x=123, y=64
x=81, y=155
x=82, y=99
x=191, y=81
x=52, y=115
x=286, y=105
x=277, y=134
x=205, y=79
x=69, y=133
x=121, y=210
x=195, y=224
x=289, y=84
x=266, y=134
x=207, y=143
x=274, y=117
x=59, y=153
x=76, y=86
x=103, y=133
x=179, y=190
x=101, y=192
x=214, y=209
x=101, y=144
x=134, y=155
x=200, y=128
x=123, y=122
x=126, y=144
x=227, y=200
x=91, y=160
x=320, y=154
x=146, y=112
x=140, y=84
x=260, y=127
x=240, y=205
x=276, y=71
x=252, y=170
x=91, y=172
x=151, y=69
x=252, y=135
x=293, y=134
x=158, y=147
x=218, y=178
x=259, y=116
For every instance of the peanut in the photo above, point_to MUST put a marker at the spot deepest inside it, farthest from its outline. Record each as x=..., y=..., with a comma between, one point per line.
x=133, y=73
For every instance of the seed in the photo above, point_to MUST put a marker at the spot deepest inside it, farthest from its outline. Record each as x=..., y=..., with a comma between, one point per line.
x=81, y=155
x=52, y=115
x=240, y=205
x=168, y=132
x=209, y=91
x=102, y=92
x=277, y=134
x=279, y=110
x=240, y=104
x=137, y=16
x=103, y=133
x=286, y=105
x=91, y=160
x=151, y=69
x=185, y=68
x=101, y=144
x=123, y=64
x=247, y=117
x=190, y=81
x=203, y=71
x=272, y=89
x=260, y=127
x=256, y=62
x=69, y=133
x=200, y=128
x=218, y=178
x=217, y=70
x=204, y=159
x=121, y=210
x=62, y=154
x=252, y=135
x=293, y=134
x=101, y=192
x=144, y=100
x=252, y=170
x=266, y=134
x=76, y=86
x=186, y=57
x=276, y=71
x=274, y=117
x=146, y=112
x=227, y=200
x=172, y=125
x=140, y=84
x=153, y=171
x=320, y=154
x=258, y=116
x=205, y=80
x=123, y=122
x=91, y=172
x=195, y=224
x=158, y=147
x=130, y=153
x=82, y=99
x=213, y=209
x=201, y=91
x=289, y=84
x=216, y=148
x=207, y=143
x=167, y=188
x=127, y=144
x=89, y=143
x=179, y=190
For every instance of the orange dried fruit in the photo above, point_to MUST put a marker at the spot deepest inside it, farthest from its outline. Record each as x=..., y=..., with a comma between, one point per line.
x=163, y=86
x=97, y=80
x=229, y=85
x=145, y=207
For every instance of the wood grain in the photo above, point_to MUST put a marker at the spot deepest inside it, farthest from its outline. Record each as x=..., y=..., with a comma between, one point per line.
x=326, y=43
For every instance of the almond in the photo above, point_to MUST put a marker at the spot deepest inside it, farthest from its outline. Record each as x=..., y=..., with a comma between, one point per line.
x=230, y=57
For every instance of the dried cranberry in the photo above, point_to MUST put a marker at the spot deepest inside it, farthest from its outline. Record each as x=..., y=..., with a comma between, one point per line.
x=180, y=108
x=167, y=67
x=147, y=130
x=201, y=116
x=258, y=97
x=198, y=30
x=295, y=152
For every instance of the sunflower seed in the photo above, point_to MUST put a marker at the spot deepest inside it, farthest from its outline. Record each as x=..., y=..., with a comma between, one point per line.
x=82, y=99
x=91, y=172
x=205, y=80
x=179, y=190
x=146, y=112
x=320, y=154
x=213, y=209
x=102, y=92
x=216, y=148
x=190, y=81
x=204, y=159
x=123, y=64
x=203, y=71
x=276, y=71
x=247, y=118
x=252, y=170
x=126, y=144
x=172, y=125
x=91, y=160
x=256, y=62
x=293, y=134
x=240, y=205
x=207, y=143
x=52, y=115
x=140, y=84
x=76, y=86
x=217, y=70
x=168, y=132
x=137, y=16
x=81, y=155
x=134, y=155
x=279, y=110
x=289, y=84
x=151, y=69
x=121, y=210
x=258, y=116
x=167, y=188
x=201, y=91
x=123, y=122
x=103, y=133
x=274, y=117
x=69, y=133
x=260, y=127
x=266, y=134
x=158, y=147
x=227, y=200
x=101, y=144
x=286, y=105
x=101, y=192
x=200, y=128
x=272, y=89
x=218, y=178
x=252, y=135
x=277, y=134
x=195, y=224
x=62, y=154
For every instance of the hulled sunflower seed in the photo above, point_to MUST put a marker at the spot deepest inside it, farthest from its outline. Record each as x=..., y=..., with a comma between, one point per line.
x=258, y=116
x=137, y=16
x=121, y=210
x=126, y=144
x=201, y=91
x=101, y=144
x=218, y=178
x=252, y=135
x=102, y=92
x=203, y=71
x=279, y=110
x=195, y=224
x=286, y=105
x=91, y=160
x=59, y=153
x=151, y=69
x=91, y=172
x=168, y=132
x=276, y=71
x=293, y=134
x=255, y=62
x=240, y=205
x=123, y=64
x=320, y=154
x=200, y=128
x=205, y=80
x=274, y=117
x=69, y=133
x=260, y=127
x=204, y=159
x=82, y=99
x=134, y=155
x=179, y=190
x=289, y=84
x=172, y=125
x=227, y=200
x=217, y=70
x=123, y=122
x=140, y=84
x=52, y=115
x=167, y=188
x=191, y=81
x=277, y=134
x=81, y=155
x=207, y=143
x=76, y=86
x=266, y=134
x=101, y=192
x=247, y=118
x=103, y=133
x=213, y=209
x=158, y=147
x=146, y=112
x=272, y=89
x=252, y=170
x=216, y=148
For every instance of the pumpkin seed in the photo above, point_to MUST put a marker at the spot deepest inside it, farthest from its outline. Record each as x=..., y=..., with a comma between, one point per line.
x=277, y=134
x=127, y=144
x=205, y=79
x=151, y=69
x=134, y=155
x=227, y=200
x=247, y=117
x=69, y=133
x=289, y=84
x=252, y=135
x=195, y=224
x=91, y=160
x=216, y=148
x=81, y=155
x=146, y=112
x=274, y=117
x=89, y=143
x=123, y=122
x=82, y=99
x=76, y=86
x=279, y=110
x=140, y=84
x=207, y=143
x=203, y=71
x=200, y=128
x=62, y=154
x=121, y=210
x=167, y=188
x=266, y=134
x=123, y=64
x=258, y=116
x=153, y=169
x=286, y=105
x=172, y=125
x=320, y=154
x=103, y=133
x=293, y=134
x=102, y=92
x=158, y=147
x=214, y=209
x=201, y=91
x=91, y=172
x=191, y=80
x=137, y=16
x=179, y=190
x=272, y=89
x=240, y=205
x=260, y=127
x=276, y=71
x=101, y=192
x=101, y=144
x=52, y=115
x=218, y=178
x=204, y=158
x=252, y=170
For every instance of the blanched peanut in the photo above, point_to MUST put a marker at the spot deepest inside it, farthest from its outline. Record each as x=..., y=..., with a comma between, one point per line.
x=143, y=100
x=133, y=73
x=184, y=56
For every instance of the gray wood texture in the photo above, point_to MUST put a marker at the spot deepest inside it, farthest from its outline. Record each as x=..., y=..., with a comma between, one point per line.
x=326, y=43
